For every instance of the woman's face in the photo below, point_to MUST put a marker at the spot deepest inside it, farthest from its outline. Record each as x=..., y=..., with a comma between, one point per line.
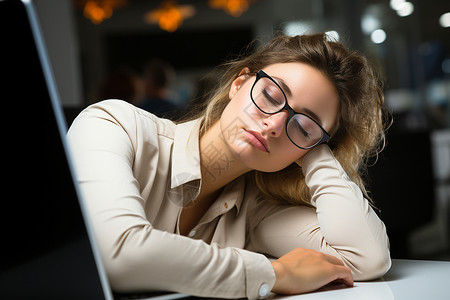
x=259, y=140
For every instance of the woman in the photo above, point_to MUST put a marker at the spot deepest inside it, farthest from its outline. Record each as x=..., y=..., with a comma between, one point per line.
x=270, y=168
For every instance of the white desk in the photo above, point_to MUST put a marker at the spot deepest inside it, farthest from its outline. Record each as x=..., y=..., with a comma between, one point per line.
x=406, y=280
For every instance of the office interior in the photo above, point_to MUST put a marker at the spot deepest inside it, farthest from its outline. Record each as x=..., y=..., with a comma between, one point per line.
x=408, y=41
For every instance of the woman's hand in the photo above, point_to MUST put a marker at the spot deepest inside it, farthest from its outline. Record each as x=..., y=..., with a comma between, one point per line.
x=304, y=270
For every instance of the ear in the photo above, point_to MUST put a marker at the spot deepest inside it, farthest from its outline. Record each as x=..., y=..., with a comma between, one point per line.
x=238, y=82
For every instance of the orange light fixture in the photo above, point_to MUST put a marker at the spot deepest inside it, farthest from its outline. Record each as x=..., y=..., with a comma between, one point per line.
x=232, y=7
x=99, y=10
x=169, y=16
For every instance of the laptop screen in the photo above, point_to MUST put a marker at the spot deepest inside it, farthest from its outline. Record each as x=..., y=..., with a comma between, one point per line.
x=45, y=247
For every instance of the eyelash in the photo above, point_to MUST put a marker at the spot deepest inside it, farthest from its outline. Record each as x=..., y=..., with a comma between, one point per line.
x=305, y=133
x=270, y=98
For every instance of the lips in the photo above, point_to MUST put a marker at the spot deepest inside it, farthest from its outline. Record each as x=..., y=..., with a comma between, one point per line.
x=257, y=140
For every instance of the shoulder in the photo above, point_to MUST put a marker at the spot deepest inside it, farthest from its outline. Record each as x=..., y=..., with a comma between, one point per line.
x=116, y=111
x=116, y=122
x=125, y=115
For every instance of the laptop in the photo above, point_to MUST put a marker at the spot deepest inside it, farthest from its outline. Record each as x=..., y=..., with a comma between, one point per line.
x=47, y=243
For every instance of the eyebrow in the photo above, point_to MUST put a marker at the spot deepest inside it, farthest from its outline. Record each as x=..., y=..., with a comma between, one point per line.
x=313, y=115
x=287, y=90
x=283, y=85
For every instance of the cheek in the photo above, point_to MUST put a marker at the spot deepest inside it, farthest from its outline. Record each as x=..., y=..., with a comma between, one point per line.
x=284, y=155
x=232, y=121
x=241, y=108
x=294, y=155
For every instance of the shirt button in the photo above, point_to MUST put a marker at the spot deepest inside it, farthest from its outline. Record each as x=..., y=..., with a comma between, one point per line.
x=192, y=233
x=226, y=205
x=264, y=290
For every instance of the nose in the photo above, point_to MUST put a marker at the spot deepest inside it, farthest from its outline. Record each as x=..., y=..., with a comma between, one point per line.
x=274, y=124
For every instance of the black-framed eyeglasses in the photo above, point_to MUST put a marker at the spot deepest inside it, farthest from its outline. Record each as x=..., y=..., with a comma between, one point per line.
x=303, y=131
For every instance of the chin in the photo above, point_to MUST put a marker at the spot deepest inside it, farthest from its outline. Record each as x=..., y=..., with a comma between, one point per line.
x=257, y=160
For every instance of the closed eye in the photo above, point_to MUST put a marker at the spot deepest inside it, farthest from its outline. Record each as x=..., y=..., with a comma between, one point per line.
x=302, y=130
x=270, y=98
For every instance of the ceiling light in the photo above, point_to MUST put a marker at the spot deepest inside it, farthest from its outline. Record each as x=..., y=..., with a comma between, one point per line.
x=332, y=36
x=378, y=36
x=395, y=4
x=99, y=10
x=369, y=23
x=169, y=16
x=231, y=7
x=296, y=28
x=444, y=20
x=405, y=9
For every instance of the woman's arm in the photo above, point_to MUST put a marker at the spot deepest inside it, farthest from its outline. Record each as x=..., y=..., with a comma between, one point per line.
x=138, y=257
x=342, y=224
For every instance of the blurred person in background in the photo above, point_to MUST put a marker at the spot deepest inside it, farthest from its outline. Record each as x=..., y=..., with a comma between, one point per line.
x=157, y=79
x=121, y=84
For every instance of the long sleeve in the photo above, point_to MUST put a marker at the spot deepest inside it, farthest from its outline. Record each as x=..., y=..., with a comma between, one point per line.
x=342, y=224
x=106, y=142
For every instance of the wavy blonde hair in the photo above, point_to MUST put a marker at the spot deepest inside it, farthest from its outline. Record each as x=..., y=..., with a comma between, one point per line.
x=359, y=133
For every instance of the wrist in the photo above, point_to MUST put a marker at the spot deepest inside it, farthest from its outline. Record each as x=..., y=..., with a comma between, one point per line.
x=280, y=274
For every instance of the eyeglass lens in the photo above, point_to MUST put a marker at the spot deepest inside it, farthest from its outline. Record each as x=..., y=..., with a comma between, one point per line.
x=270, y=99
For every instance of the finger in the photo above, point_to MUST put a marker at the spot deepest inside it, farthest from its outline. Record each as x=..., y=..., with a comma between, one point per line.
x=345, y=275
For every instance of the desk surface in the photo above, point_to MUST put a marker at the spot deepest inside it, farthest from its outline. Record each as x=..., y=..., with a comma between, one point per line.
x=406, y=280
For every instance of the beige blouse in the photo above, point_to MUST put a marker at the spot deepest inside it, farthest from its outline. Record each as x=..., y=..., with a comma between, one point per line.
x=137, y=171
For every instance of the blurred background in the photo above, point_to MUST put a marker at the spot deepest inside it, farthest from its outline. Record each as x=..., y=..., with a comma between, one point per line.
x=165, y=51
